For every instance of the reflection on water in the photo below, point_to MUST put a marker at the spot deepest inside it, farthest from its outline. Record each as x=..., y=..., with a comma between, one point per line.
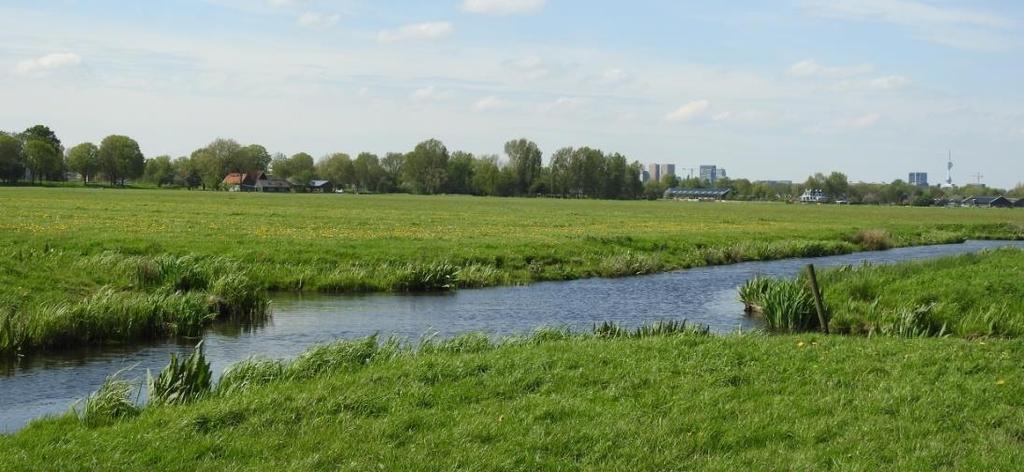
x=47, y=384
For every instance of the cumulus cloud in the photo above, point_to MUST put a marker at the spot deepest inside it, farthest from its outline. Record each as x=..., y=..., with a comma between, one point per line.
x=311, y=19
x=430, y=94
x=502, y=7
x=424, y=31
x=47, y=62
x=490, y=103
x=689, y=111
x=810, y=68
x=889, y=82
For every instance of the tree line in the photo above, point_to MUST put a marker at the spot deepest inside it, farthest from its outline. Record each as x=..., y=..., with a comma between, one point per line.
x=36, y=154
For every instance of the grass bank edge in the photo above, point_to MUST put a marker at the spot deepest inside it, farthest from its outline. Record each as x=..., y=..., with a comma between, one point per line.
x=166, y=295
x=351, y=372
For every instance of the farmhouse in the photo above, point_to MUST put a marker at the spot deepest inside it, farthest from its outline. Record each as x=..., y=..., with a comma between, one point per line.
x=988, y=202
x=814, y=195
x=258, y=181
x=320, y=186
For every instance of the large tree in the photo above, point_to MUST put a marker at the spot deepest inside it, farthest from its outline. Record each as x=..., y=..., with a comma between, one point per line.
x=44, y=133
x=460, y=173
x=84, y=159
x=120, y=158
x=159, y=171
x=338, y=169
x=368, y=171
x=526, y=160
x=41, y=158
x=298, y=169
x=12, y=163
x=426, y=167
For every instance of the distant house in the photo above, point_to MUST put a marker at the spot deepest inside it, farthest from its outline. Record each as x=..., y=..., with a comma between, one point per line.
x=697, y=193
x=258, y=181
x=1018, y=203
x=988, y=202
x=814, y=195
x=320, y=186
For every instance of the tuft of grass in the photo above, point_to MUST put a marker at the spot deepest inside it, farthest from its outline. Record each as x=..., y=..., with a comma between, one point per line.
x=647, y=330
x=181, y=382
x=238, y=298
x=250, y=373
x=786, y=306
x=873, y=239
x=109, y=404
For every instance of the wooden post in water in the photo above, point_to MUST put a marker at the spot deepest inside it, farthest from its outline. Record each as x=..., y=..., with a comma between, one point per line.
x=818, y=304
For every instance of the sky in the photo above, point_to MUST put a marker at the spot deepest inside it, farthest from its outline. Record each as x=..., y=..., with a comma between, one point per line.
x=766, y=89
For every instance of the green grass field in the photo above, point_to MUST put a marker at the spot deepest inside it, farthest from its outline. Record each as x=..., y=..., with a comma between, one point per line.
x=557, y=402
x=974, y=295
x=79, y=265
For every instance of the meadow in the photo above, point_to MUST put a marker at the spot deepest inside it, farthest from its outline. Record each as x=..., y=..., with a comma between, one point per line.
x=970, y=296
x=556, y=400
x=82, y=266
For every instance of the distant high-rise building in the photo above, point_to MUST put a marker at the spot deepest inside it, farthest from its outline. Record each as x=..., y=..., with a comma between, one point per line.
x=668, y=169
x=655, y=172
x=720, y=174
x=644, y=176
x=709, y=174
x=919, y=179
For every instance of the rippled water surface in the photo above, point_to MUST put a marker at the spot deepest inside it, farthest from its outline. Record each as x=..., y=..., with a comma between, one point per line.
x=41, y=385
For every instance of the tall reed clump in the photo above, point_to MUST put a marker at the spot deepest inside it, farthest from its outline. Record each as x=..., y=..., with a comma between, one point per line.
x=110, y=403
x=181, y=382
x=432, y=277
x=238, y=298
x=786, y=306
x=873, y=239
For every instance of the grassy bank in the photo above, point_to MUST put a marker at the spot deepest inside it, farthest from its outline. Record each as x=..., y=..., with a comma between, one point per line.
x=970, y=296
x=62, y=248
x=580, y=402
x=973, y=295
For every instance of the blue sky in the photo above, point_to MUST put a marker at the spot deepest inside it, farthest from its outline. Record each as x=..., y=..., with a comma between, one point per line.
x=768, y=90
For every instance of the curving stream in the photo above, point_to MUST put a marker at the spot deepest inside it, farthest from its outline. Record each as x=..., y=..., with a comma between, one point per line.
x=48, y=384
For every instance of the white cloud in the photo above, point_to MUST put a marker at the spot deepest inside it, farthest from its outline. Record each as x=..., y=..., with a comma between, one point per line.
x=431, y=94
x=311, y=19
x=285, y=3
x=502, y=7
x=689, y=111
x=426, y=31
x=810, y=68
x=743, y=116
x=860, y=122
x=889, y=82
x=530, y=67
x=566, y=104
x=615, y=76
x=490, y=103
x=955, y=27
x=47, y=62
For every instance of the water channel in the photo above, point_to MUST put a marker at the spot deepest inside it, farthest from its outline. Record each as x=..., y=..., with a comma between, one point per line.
x=31, y=387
